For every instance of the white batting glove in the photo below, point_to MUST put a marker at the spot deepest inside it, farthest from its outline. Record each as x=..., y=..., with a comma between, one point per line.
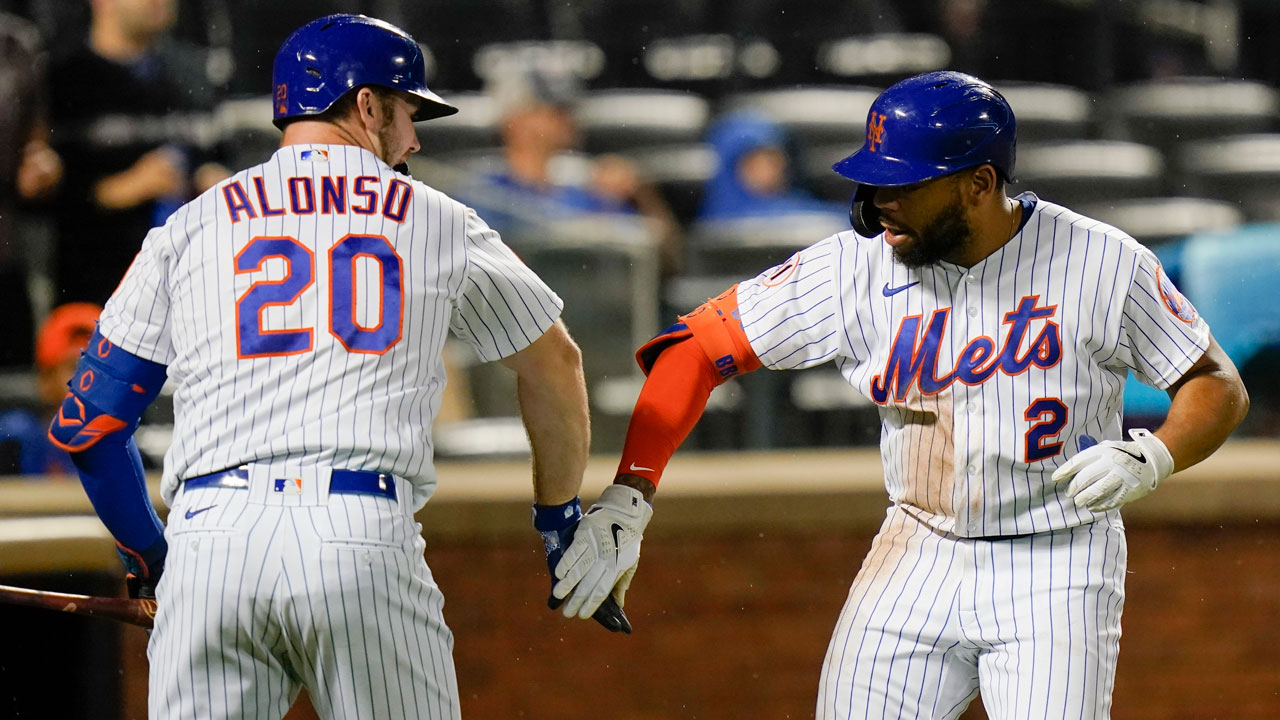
x=604, y=553
x=1113, y=473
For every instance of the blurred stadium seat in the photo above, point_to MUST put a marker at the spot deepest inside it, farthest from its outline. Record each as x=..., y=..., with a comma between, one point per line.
x=1084, y=171
x=606, y=271
x=703, y=62
x=679, y=172
x=883, y=57
x=1166, y=113
x=1244, y=169
x=580, y=59
x=814, y=115
x=1158, y=219
x=474, y=126
x=748, y=247
x=614, y=120
x=818, y=175
x=1048, y=112
x=246, y=129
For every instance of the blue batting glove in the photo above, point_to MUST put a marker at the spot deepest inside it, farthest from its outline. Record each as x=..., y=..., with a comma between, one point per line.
x=557, y=524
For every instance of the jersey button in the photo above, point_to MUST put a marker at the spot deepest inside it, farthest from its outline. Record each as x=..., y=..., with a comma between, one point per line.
x=973, y=312
x=971, y=407
x=973, y=469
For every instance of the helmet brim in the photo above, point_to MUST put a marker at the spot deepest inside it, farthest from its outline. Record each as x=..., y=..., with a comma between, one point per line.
x=433, y=106
x=879, y=170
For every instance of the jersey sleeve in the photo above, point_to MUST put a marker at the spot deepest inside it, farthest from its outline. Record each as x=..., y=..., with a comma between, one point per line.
x=502, y=306
x=1164, y=333
x=791, y=312
x=136, y=317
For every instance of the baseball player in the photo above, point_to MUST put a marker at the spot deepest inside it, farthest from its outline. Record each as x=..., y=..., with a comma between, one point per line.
x=994, y=334
x=299, y=308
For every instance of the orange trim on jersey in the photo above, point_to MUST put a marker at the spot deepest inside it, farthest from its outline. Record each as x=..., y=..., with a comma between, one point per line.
x=260, y=188
x=333, y=194
x=307, y=192
x=354, y=289
x=311, y=337
x=1052, y=449
x=381, y=298
x=399, y=214
x=237, y=201
x=370, y=196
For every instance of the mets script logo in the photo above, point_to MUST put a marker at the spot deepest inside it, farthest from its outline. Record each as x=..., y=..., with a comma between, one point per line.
x=282, y=99
x=914, y=357
x=1178, y=304
x=875, y=131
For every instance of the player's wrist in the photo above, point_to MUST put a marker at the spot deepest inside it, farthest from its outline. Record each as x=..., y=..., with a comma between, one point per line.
x=1155, y=450
x=643, y=485
x=145, y=563
x=553, y=518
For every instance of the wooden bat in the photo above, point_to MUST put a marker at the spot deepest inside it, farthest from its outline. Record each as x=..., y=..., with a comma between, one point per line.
x=126, y=610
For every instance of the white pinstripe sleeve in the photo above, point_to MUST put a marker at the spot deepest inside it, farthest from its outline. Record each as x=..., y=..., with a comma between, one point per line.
x=791, y=312
x=503, y=306
x=1164, y=333
x=136, y=317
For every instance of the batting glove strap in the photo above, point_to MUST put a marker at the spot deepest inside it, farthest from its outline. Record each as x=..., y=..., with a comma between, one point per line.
x=1114, y=473
x=605, y=551
x=556, y=517
x=556, y=524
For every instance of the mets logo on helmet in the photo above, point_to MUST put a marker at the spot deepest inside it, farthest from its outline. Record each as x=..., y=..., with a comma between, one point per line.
x=875, y=131
x=1177, y=303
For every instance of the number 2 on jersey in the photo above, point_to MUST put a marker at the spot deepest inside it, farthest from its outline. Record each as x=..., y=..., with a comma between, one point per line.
x=253, y=340
x=1048, y=415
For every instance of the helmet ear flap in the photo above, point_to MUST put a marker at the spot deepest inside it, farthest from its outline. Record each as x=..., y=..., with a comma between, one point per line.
x=863, y=213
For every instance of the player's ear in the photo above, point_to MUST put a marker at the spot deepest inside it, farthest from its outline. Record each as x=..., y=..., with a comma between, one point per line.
x=368, y=108
x=983, y=182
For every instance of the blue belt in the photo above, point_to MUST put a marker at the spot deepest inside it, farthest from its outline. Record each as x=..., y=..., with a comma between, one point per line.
x=341, y=482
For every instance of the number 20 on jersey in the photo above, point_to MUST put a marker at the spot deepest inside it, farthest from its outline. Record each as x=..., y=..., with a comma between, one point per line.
x=255, y=341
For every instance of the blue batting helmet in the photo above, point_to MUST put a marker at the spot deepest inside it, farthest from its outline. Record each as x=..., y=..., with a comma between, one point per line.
x=326, y=58
x=923, y=128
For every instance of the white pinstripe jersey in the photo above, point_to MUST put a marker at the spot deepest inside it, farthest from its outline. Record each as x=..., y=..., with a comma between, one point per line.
x=986, y=377
x=302, y=306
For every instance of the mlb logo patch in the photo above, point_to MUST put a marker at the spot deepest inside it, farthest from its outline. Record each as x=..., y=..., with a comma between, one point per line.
x=315, y=155
x=288, y=486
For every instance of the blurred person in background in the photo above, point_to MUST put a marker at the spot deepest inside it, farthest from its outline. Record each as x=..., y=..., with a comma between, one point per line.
x=24, y=441
x=130, y=115
x=753, y=175
x=29, y=169
x=537, y=126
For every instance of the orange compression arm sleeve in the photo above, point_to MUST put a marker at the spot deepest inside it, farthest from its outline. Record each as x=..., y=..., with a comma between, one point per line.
x=692, y=357
x=672, y=400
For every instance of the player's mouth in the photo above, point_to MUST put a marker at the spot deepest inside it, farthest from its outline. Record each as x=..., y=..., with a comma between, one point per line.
x=894, y=234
